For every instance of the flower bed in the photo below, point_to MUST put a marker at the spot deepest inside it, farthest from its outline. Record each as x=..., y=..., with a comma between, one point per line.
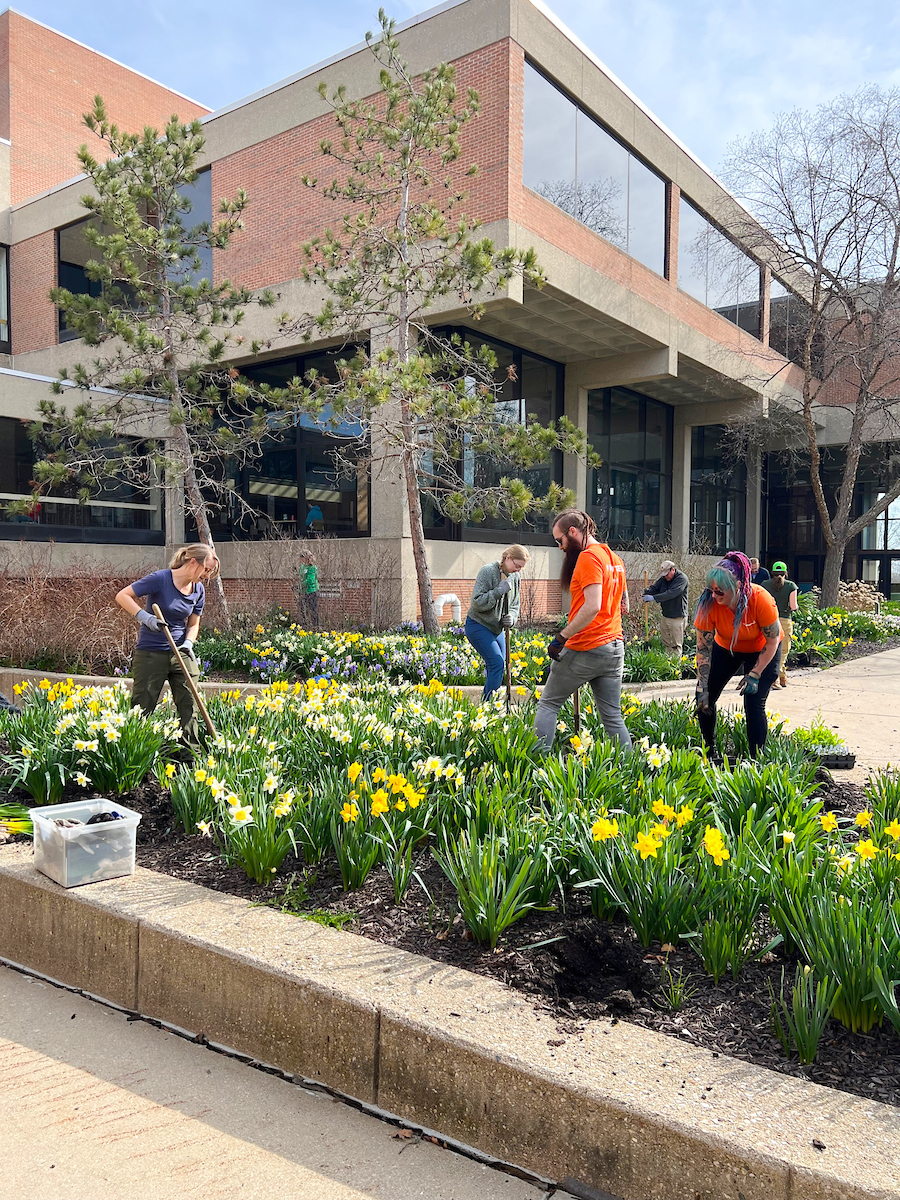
x=708, y=870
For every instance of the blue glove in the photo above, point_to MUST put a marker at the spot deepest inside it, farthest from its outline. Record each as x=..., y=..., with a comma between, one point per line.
x=556, y=647
x=749, y=685
x=148, y=620
x=647, y=598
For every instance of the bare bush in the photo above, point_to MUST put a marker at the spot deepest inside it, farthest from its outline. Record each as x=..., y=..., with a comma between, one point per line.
x=69, y=621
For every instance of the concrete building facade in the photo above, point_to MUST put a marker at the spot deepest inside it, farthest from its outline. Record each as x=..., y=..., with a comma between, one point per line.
x=654, y=326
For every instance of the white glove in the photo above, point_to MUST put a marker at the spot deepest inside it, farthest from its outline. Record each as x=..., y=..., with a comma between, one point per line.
x=503, y=586
x=187, y=647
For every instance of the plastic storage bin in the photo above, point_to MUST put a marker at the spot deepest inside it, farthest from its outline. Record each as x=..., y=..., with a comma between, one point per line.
x=84, y=853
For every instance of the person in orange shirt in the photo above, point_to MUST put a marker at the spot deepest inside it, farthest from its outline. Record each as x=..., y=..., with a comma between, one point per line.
x=737, y=631
x=591, y=646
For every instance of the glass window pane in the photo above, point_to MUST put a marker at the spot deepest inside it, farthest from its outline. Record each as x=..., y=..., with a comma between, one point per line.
x=199, y=195
x=549, y=141
x=626, y=438
x=4, y=294
x=693, y=251
x=646, y=216
x=602, y=192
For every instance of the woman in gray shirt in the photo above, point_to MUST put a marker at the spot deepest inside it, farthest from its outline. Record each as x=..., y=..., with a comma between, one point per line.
x=495, y=607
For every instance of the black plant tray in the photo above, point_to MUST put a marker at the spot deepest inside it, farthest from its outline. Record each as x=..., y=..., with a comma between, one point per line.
x=835, y=759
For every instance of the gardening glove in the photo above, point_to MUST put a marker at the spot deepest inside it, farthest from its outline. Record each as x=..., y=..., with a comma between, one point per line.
x=556, y=647
x=647, y=598
x=702, y=698
x=507, y=621
x=749, y=685
x=148, y=620
x=503, y=586
x=187, y=647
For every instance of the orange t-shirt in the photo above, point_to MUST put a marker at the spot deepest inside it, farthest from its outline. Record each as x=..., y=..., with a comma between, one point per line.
x=598, y=564
x=761, y=611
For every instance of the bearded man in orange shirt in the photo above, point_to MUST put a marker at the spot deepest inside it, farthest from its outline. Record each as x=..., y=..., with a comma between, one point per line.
x=591, y=646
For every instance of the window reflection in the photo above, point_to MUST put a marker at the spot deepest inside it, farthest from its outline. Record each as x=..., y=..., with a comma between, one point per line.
x=572, y=161
x=713, y=270
x=631, y=492
x=121, y=512
x=789, y=322
x=295, y=487
x=718, y=494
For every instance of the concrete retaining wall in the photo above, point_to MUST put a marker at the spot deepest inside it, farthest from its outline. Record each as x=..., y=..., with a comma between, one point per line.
x=639, y=1115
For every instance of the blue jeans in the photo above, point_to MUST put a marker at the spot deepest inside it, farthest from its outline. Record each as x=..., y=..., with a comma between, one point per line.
x=492, y=648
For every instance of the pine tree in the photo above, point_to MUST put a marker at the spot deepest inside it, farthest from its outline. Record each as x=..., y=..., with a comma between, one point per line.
x=402, y=252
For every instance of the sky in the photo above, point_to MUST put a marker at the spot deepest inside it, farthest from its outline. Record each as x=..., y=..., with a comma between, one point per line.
x=709, y=70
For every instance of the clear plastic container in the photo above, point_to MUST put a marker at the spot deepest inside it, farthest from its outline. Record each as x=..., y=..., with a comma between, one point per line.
x=84, y=853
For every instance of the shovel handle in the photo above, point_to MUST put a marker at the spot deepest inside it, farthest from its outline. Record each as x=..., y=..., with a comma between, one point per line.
x=195, y=692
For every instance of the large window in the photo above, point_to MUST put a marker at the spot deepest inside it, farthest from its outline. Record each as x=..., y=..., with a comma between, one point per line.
x=531, y=389
x=120, y=513
x=74, y=250
x=789, y=324
x=4, y=301
x=714, y=271
x=718, y=494
x=572, y=161
x=630, y=494
x=295, y=486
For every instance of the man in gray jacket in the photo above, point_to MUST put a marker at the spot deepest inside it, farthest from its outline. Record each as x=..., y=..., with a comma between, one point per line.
x=670, y=592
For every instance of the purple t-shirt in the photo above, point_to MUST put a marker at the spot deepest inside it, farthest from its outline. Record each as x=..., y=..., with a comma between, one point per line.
x=176, y=607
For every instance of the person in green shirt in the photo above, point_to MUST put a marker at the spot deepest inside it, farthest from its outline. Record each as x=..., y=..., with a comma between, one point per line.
x=784, y=592
x=309, y=582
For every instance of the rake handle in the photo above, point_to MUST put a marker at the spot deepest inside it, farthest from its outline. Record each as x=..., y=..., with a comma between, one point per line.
x=195, y=692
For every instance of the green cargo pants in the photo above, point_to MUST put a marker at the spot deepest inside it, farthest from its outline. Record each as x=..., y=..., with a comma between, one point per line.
x=150, y=669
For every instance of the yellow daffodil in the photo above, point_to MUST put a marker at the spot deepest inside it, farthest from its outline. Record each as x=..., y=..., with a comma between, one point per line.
x=170, y=770
x=354, y=771
x=349, y=812
x=893, y=830
x=828, y=821
x=380, y=803
x=788, y=837
x=604, y=830
x=200, y=775
x=647, y=846
x=867, y=849
x=379, y=775
x=863, y=819
x=684, y=816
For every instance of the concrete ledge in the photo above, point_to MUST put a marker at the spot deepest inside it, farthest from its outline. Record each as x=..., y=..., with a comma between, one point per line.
x=636, y=1114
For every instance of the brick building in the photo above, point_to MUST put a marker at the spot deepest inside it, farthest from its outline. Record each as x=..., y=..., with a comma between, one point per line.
x=653, y=327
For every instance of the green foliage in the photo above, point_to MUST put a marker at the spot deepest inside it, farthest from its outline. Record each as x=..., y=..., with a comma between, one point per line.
x=161, y=327
x=799, y=1025
x=403, y=247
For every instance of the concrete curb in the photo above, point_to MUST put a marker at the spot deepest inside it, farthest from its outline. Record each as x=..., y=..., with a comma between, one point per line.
x=636, y=1114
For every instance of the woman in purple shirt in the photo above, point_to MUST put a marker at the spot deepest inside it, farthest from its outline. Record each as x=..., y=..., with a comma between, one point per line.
x=180, y=594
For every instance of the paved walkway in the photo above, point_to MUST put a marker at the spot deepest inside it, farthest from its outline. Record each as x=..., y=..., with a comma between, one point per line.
x=859, y=700
x=99, y=1108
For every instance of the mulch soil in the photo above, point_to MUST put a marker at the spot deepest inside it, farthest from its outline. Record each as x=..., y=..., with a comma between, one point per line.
x=569, y=964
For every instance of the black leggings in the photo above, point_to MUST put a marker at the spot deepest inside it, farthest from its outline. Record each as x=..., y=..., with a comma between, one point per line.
x=723, y=665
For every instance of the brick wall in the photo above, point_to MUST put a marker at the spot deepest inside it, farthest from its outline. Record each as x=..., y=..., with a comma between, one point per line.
x=283, y=213
x=49, y=83
x=32, y=273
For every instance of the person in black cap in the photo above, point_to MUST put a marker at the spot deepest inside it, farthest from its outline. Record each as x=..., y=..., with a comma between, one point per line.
x=670, y=592
x=784, y=592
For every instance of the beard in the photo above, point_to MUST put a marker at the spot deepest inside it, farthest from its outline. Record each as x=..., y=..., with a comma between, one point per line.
x=570, y=558
x=778, y=583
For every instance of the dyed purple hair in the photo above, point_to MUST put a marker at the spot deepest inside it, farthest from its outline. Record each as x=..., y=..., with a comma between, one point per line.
x=732, y=572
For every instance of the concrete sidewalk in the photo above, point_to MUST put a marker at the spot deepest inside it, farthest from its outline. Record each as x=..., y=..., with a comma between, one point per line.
x=859, y=700
x=96, y=1107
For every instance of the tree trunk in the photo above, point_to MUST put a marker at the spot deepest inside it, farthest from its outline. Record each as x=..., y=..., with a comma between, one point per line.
x=417, y=537
x=201, y=515
x=831, y=576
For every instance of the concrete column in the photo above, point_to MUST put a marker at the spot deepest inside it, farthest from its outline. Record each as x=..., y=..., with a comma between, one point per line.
x=754, y=504
x=575, y=472
x=681, y=487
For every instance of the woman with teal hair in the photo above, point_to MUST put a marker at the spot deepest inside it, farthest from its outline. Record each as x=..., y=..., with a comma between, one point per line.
x=737, y=633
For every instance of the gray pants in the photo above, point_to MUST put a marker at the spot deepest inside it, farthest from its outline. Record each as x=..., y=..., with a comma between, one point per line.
x=602, y=669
